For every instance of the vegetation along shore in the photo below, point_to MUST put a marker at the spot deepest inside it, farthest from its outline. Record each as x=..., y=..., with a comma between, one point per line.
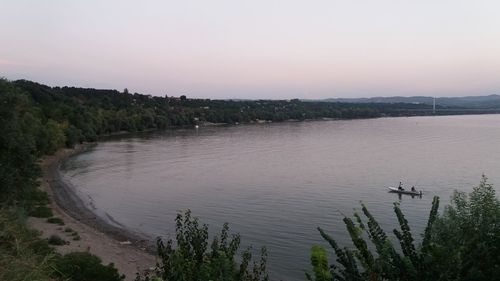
x=126, y=250
x=42, y=125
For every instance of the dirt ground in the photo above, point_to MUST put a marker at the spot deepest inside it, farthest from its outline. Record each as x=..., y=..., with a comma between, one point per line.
x=127, y=256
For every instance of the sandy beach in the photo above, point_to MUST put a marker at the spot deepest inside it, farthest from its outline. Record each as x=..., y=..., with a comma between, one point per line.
x=128, y=252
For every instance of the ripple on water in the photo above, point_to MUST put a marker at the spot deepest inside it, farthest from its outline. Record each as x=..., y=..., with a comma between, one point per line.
x=275, y=183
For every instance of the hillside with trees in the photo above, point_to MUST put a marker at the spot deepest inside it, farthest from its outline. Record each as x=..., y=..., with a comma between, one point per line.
x=490, y=102
x=463, y=243
x=82, y=114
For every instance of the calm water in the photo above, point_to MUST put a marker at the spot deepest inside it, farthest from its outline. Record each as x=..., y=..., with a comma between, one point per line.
x=275, y=183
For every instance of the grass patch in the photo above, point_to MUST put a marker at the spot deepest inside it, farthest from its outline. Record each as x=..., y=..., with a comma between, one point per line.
x=23, y=254
x=54, y=220
x=83, y=266
x=41, y=212
x=37, y=197
x=56, y=240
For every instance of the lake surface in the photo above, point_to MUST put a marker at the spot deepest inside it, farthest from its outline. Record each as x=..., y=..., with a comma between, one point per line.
x=275, y=183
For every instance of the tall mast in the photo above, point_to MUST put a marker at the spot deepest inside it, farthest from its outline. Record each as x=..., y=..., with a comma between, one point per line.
x=434, y=105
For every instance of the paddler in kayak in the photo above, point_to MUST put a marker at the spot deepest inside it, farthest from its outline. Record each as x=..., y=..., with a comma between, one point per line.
x=400, y=187
x=413, y=189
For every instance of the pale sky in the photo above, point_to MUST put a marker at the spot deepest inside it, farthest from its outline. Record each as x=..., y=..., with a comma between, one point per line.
x=256, y=49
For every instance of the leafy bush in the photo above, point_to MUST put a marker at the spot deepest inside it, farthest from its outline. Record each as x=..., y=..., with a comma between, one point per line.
x=56, y=240
x=83, y=266
x=68, y=229
x=467, y=236
x=76, y=237
x=192, y=260
x=41, y=212
x=54, y=220
x=319, y=261
x=462, y=244
x=36, y=197
x=388, y=263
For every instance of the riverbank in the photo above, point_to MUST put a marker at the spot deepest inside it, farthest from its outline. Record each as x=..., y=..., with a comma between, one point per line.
x=127, y=251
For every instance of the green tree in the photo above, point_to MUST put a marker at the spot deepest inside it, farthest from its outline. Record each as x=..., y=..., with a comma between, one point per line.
x=73, y=136
x=56, y=136
x=18, y=145
x=195, y=260
x=466, y=238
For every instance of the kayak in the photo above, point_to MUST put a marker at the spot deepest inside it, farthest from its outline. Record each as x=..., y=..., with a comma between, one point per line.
x=409, y=192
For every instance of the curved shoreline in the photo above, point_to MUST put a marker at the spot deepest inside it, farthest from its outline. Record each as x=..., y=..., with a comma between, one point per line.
x=67, y=199
x=129, y=252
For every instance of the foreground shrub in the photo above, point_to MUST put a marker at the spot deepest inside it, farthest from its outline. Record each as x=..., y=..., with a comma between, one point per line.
x=462, y=244
x=467, y=236
x=34, y=198
x=193, y=260
x=387, y=263
x=83, y=266
x=54, y=220
x=41, y=212
x=56, y=240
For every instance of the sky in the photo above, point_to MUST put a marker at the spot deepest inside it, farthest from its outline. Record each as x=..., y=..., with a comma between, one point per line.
x=256, y=49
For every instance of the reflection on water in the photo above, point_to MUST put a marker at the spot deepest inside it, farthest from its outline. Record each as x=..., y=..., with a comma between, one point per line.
x=275, y=183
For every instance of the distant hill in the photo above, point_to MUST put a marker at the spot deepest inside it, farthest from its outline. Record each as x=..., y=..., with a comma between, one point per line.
x=491, y=101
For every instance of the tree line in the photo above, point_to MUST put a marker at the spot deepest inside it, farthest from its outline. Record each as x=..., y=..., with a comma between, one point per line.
x=38, y=119
x=83, y=114
x=463, y=243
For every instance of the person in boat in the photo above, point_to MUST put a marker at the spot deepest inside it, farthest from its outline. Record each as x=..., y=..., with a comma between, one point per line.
x=413, y=189
x=400, y=187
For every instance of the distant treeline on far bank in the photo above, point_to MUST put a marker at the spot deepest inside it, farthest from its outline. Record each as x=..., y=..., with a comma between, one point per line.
x=36, y=120
x=82, y=114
